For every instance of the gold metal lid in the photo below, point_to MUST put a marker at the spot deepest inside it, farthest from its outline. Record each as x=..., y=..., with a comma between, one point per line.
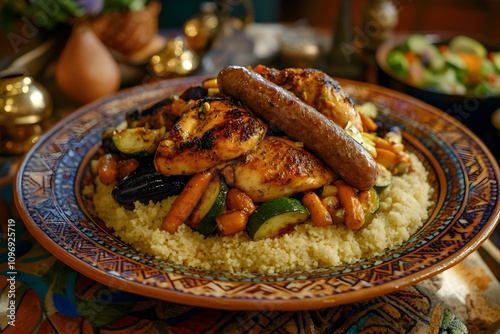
x=176, y=59
x=25, y=107
x=22, y=100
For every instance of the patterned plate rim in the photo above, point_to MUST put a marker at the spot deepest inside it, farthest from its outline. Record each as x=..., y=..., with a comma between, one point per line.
x=39, y=175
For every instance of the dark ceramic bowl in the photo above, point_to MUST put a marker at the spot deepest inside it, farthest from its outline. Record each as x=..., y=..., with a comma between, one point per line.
x=473, y=111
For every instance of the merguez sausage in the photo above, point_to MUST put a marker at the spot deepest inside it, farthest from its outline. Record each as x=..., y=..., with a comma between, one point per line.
x=301, y=122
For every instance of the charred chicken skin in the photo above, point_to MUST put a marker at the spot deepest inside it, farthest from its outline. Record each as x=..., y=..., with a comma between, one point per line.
x=211, y=132
x=277, y=167
x=318, y=90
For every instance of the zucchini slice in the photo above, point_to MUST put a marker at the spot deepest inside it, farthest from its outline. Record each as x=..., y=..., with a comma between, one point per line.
x=384, y=178
x=211, y=204
x=138, y=141
x=274, y=217
x=370, y=201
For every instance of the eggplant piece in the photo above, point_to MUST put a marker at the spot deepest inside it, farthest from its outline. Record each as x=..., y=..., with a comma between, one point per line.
x=194, y=93
x=150, y=110
x=273, y=130
x=383, y=128
x=108, y=145
x=145, y=184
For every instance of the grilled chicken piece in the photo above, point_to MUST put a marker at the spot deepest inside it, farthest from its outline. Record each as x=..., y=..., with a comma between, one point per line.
x=277, y=167
x=318, y=90
x=164, y=116
x=211, y=132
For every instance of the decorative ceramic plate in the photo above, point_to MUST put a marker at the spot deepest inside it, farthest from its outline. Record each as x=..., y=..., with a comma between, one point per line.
x=463, y=173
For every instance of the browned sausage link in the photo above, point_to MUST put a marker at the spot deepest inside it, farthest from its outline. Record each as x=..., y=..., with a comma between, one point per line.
x=302, y=123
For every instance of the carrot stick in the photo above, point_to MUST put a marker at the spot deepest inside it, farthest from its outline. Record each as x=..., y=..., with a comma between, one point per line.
x=125, y=167
x=185, y=203
x=239, y=200
x=369, y=124
x=107, y=168
x=259, y=68
x=382, y=143
x=443, y=49
x=354, y=214
x=319, y=214
x=231, y=222
x=472, y=61
x=386, y=158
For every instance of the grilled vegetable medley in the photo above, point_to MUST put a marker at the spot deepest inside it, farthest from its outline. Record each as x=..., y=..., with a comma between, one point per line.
x=235, y=172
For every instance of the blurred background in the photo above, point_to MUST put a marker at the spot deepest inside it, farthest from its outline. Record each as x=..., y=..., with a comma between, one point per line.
x=479, y=17
x=107, y=45
x=475, y=17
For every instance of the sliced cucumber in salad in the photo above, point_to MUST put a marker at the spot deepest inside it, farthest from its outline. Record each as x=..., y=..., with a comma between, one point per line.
x=416, y=43
x=461, y=66
x=495, y=59
x=466, y=44
x=397, y=62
